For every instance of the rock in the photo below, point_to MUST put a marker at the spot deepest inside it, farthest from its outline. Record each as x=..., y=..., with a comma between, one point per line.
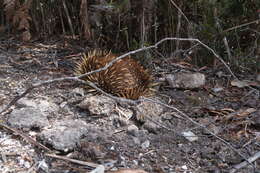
x=148, y=109
x=28, y=117
x=217, y=89
x=78, y=91
x=151, y=126
x=64, y=135
x=99, y=169
x=43, y=166
x=136, y=141
x=89, y=151
x=186, y=80
x=145, y=144
x=45, y=105
x=98, y=105
x=132, y=130
x=190, y=136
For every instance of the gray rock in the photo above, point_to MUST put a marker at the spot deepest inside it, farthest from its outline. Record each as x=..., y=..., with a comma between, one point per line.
x=78, y=91
x=64, y=135
x=186, y=80
x=45, y=105
x=148, y=109
x=28, y=117
x=98, y=105
x=145, y=144
x=132, y=130
x=189, y=135
x=136, y=141
x=151, y=126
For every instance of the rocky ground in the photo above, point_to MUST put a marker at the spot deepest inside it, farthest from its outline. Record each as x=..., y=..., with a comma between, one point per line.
x=199, y=121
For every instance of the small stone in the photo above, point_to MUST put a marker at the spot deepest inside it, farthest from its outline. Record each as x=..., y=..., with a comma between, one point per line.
x=145, y=144
x=98, y=105
x=45, y=105
x=136, y=141
x=190, y=136
x=186, y=80
x=27, y=118
x=78, y=91
x=184, y=167
x=43, y=165
x=99, y=169
x=135, y=162
x=217, y=89
x=148, y=109
x=151, y=127
x=63, y=104
x=132, y=130
x=64, y=135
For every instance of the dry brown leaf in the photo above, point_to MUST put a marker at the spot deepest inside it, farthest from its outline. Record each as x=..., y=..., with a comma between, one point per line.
x=240, y=114
x=223, y=112
x=246, y=112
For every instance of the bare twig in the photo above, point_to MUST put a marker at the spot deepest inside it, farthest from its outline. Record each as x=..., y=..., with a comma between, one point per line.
x=178, y=33
x=242, y=25
x=243, y=164
x=91, y=165
x=24, y=136
x=176, y=6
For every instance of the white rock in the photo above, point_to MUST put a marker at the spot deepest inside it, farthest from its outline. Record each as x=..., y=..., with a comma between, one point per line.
x=190, y=136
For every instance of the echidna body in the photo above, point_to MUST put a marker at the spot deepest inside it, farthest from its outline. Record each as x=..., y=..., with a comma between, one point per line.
x=125, y=78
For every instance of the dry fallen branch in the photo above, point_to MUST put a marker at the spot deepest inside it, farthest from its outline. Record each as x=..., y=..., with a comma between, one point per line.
x=89, y=164
x=25, y=137
x=243, y=164
x=242, y=25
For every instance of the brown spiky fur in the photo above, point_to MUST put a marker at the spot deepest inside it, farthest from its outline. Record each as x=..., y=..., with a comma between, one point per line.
x=125, y=78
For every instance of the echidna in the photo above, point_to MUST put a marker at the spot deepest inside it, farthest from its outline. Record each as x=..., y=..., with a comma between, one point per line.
x=125, y=78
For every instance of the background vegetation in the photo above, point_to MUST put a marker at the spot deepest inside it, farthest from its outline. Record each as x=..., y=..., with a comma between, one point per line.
x=230, y=27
